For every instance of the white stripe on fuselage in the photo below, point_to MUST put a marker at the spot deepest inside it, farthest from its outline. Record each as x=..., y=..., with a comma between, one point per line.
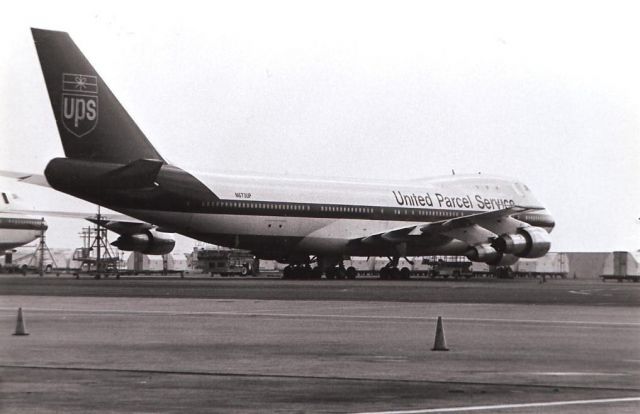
x=434, y=193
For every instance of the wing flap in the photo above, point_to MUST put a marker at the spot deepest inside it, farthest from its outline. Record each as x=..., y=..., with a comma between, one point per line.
x=472, y=229
x=498, y=220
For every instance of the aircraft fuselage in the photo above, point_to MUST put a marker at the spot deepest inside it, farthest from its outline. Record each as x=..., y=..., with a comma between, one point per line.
x=281, y=217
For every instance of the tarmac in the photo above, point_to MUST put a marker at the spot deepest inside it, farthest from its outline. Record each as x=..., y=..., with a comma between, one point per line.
x=263, y=345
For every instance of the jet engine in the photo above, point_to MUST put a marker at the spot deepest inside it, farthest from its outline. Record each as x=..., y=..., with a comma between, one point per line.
x=489, y=255
x=149, y=242
x=531, y=242
x=483, y=253
x=504, y=260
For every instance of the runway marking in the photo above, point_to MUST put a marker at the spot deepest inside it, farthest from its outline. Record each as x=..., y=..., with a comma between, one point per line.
x=309, y=377
x=508, y=406
x=320, y=316
x=578, y=374
x=579, y=292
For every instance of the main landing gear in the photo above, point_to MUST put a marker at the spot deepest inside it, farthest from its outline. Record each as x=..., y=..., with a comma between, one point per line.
x=331, y=271
x=304, y=272
x=339, y=272
x=334, y=269
x=391, y=271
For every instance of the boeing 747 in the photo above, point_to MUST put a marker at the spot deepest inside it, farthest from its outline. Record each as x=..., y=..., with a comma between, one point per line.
x=312, y=225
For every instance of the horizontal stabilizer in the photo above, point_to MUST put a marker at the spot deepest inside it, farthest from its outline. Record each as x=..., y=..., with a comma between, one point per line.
x=121, y=227
x=29, y=178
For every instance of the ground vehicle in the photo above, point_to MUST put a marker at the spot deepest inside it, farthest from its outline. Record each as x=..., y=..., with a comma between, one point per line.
x=227, y=262
x=88, y=261
x=621, y=266
x=445, y=266
x=25, y=260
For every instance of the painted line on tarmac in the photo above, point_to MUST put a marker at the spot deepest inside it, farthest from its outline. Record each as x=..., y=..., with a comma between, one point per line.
x=509, y=406
x=310, y=377
x=319, y=316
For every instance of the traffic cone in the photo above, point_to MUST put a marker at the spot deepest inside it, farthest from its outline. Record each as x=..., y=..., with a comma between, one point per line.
x=20, y=328
x=440, y=343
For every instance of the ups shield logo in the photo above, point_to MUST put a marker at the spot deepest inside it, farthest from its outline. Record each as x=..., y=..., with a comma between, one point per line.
x=79, y=103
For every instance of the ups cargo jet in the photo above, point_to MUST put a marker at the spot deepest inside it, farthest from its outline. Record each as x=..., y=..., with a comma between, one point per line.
x=310, y=224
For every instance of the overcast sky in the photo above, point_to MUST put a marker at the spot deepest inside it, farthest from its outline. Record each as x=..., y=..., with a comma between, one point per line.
x=547, y=92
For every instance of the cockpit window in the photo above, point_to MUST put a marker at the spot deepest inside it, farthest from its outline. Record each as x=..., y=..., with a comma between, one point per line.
x=4, y=197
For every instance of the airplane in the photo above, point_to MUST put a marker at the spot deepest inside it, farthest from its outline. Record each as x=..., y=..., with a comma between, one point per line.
x=17, y=228
x=310, y=224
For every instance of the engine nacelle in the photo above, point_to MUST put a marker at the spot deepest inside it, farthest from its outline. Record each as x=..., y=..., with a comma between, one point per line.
x=149, y=242
x=483, y=253
x=530, y=242
x=487, y=254
x=504, y=260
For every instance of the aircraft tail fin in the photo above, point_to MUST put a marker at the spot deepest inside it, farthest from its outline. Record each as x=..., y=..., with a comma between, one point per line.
x=91, y=122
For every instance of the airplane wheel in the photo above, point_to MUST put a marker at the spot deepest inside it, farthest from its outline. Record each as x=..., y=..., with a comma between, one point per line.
x=316, y=273
x=308, y=271
x=405, y=273
x=300, y=272
x=286, y=272
x=331, y=273
x=351, y=272
x=395, y=273
x=385, y=273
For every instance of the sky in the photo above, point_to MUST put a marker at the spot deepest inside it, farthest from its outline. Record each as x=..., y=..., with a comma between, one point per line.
x=547, y=92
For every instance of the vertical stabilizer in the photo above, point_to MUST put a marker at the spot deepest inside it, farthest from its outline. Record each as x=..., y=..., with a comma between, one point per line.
x=92, y=124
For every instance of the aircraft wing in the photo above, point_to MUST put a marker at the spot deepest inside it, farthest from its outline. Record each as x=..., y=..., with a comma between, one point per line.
x=472, y=229
x=118, y=223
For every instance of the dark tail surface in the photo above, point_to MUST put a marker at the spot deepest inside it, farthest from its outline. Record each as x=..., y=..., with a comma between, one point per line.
x=92, y=124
